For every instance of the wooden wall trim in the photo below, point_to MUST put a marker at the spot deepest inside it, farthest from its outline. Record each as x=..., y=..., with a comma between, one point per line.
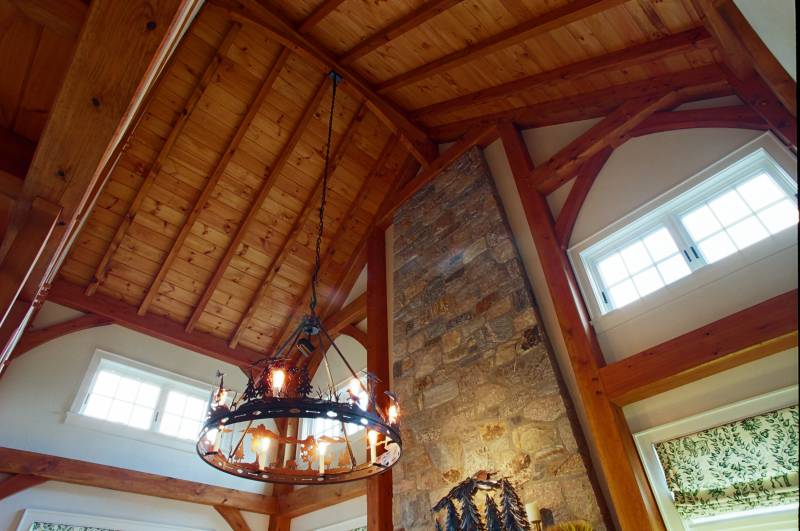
x=113, y=478
x=756, y=332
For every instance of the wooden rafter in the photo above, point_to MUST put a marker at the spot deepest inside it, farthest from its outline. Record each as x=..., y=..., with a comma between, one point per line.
x=290, y=244
x=561, y=16
x=354, y=312
x=694, y=39
x=577, y=195
x=208, y=76
x=327, y=261
x=16, y=153
x=612, y=131
x=478, y=136
x=163, y=328
x=627, y=484
x=64, y=17
x=250, y=11
x=411, y=21
x=233, y=517
x=49, y=467
x=754, y=92
x=33, y=338
x=761, y=330
x=736, y=116
x=316, y=16
x=17, y=483
x=219, y=170
x=594, y=104
x=261, y=196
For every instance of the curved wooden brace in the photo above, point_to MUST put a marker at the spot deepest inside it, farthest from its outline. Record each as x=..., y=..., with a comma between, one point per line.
x=737, y=117
x=34, y=338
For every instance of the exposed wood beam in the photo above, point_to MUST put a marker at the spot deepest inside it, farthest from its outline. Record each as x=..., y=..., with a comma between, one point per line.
x=736, y=116
x=72, y=296
x=55, y=468
x=16, y=153
x=379, y=488
x=577, y=194
x=290, y=244
x=303, y=501
x=24, y=251
x=612, y=131
x=709, y=80
x=756, y=332
x=561, y=16
x=316, y=16
x=744, y=52
x=478, y=136
x=694, y=39
x=415, y=139
x=17, y=483
x=412, y=20
x=354, y=312
x=627, y=484
x=64, y=17
x=233, y=517
x=754, y=92
x=356, y=333
x=121, y=49
x=202, y=202
x=33, y=338
x=101, y=272
x=263, y=191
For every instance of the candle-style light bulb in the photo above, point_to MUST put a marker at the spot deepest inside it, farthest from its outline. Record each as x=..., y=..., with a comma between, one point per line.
x=262, y=447
x=532, y=512
x=278, y=377
x=322, y=446
x=372, y=435
x=214, y=436
x=392, y=414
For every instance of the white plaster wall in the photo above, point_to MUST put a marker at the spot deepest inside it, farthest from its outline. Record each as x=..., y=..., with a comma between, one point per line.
x=776, y=23
x=77, y=499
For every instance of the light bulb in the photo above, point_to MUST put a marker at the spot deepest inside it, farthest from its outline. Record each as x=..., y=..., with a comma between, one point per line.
x=278, y=379
x=372, y=435
x=355, y=386
x=214, y=437
x=261, y=447
x=392, y=414
x=322, y=446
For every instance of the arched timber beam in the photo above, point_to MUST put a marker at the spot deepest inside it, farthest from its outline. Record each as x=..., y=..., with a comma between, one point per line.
x=34, y=338
x=736, y=117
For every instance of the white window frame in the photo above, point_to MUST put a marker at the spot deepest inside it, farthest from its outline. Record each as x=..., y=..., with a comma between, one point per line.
x=664, y=210
x=165, y=379
x=645, y=445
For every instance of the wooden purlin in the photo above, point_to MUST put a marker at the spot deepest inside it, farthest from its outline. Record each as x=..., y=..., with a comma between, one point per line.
x=321, y=11
x=310, y=207
x=155, y=169
x=213, y=180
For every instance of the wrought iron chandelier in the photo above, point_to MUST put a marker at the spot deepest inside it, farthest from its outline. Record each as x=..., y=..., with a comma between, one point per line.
x=340, y=435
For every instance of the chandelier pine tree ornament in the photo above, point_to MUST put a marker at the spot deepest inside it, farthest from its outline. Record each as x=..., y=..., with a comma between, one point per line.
x=339, y=436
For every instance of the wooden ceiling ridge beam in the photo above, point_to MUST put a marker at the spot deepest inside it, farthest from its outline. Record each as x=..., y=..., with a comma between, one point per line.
x=693, y=39
x=412, y=135
x=595, y=104
x=315, y=17
x=330, y=252
x=291, y=241
x=272, y=174
x=163, y=328
x=210, y=72
x=50, y=467
x=761, y=330
x=558, y=17
x=219, y=170
x=18, y=483
x=404, y=24
x=303, y=501
x=34, y=338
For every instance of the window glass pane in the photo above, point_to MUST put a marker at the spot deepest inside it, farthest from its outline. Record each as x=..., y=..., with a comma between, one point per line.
x=97, y=406
x=127, y=390
x=175, y=403
x=729, y=208
x=747, y=232
x=195, y=408
x=648, y=281
x=119, y=411
x=717, y=247
x=673, y=268
x=612, y=269
x=170, y=424
x=141, y=417
x=660, y=244
x=779, y=216
x=623, y=293
x=760, y=191
x=700, y=223
x=106, y=383
x=148, y=395
x=636, y=257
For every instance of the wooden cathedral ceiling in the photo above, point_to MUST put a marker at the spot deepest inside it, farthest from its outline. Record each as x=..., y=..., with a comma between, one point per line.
x=208, y=218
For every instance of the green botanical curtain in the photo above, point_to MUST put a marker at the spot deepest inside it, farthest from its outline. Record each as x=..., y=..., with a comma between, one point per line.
x=734, y=467
x=44, y=526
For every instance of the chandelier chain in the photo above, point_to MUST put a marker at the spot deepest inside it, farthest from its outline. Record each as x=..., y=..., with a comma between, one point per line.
x=323, y=200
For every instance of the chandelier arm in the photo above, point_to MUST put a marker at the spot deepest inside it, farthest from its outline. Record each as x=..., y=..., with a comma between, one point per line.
x=332, y=388
x=241, y=439
x=347, y=363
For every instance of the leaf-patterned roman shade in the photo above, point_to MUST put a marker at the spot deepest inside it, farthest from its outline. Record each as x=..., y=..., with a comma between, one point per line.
x=738, y=466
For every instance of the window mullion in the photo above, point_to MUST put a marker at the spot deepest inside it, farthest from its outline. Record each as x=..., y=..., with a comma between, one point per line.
x=688, y=247
x=158, y=413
